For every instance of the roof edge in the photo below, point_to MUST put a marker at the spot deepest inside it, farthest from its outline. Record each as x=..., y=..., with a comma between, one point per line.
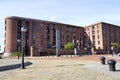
x=102, y=23
x=40, y=20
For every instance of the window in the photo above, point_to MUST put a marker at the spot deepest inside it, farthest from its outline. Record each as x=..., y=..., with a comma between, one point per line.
x=93, y=32
x=19, y=28
x=92, y=27
x=74, y=37
x=62, y=33
x=34, y=29
x=70, y=29
x=98, y=37
x=48, y=44
x=68, y=38
x=34, y=24
x=5, y=21
x=5, y=34
x=34, y=36
x=67, y=33
x=62, y=27
x=53, y=25
x=67, y=28
x=27, y=42
x=54, y=30
x=74, y=34
x=5, y=28
x=54, y=43
x=98, y=42
x=97, y=26
x=74, y=29
x=41, y=42
x=48, y=30
x=4, y=41
x=98, y=47
x=93, y=42
x=34, y=42
x=41, y=27
x=26, y=35
x=18, y=35
x=62, y=44
x=41, y=36
x=48, y=37
x=98, y=31
x=104, y=31
x=109, y=29
x=26, y=24
x=54, y=37
x=19, y=22
x=93, y=37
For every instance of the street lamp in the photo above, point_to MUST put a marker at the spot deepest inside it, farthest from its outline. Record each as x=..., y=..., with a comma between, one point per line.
x=76, y=46
x=23, y=29
x=112, y=50
x=18, y=42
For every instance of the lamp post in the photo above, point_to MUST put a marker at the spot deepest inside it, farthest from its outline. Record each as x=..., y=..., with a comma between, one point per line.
x=23, y=29
x=19, y=42
x=75, y=51
x=76, y=46
x=112, y=50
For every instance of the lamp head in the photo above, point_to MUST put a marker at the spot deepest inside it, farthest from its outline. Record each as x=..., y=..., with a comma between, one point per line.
x=23, y=29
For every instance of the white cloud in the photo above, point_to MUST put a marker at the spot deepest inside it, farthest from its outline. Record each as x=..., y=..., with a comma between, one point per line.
x=1, y=18
x=52, y=18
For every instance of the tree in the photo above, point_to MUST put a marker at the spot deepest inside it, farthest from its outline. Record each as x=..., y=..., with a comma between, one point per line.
x=17, y=54
x=116, y=46
x=69, y=45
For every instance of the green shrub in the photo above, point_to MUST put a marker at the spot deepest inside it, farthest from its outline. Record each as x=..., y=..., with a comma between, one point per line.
x=116, y=46
x=17, y=54
x=69, y=45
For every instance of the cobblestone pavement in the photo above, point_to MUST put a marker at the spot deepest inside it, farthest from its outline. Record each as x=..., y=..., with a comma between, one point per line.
x=75, y=68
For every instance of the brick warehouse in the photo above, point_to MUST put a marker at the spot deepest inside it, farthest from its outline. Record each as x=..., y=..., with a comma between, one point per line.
x=100, y=36
x=41, y=36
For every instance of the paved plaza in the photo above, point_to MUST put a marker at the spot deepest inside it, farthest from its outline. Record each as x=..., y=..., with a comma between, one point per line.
x=48, y=68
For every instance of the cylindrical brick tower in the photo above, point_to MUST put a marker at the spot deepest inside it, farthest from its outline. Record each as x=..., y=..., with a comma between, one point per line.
x=10, y=37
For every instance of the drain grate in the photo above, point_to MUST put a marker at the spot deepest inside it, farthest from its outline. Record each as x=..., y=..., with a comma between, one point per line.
x=81, y=64
x=60, y=66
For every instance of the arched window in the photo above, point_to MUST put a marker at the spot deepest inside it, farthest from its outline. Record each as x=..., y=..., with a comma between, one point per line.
x=19, y=22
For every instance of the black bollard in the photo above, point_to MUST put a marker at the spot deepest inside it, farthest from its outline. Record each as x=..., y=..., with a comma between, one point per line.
x=112, y=65
x=102, y=59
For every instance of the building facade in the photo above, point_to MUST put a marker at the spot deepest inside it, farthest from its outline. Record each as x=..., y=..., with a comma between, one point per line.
x=99, y=37
x=40, y=35
x=44, y=36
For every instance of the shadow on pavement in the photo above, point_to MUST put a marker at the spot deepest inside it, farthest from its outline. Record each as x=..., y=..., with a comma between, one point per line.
x=13, y=66
x=117, y=71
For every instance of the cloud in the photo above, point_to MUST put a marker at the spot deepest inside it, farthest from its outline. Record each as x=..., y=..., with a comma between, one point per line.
x=1, y=18
x=52, y=18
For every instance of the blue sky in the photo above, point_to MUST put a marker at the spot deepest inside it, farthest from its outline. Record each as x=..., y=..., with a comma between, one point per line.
x=76, y=12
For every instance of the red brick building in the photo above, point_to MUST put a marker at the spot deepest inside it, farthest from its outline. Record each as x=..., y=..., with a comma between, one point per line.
x=40, y=35
x=100, y=36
